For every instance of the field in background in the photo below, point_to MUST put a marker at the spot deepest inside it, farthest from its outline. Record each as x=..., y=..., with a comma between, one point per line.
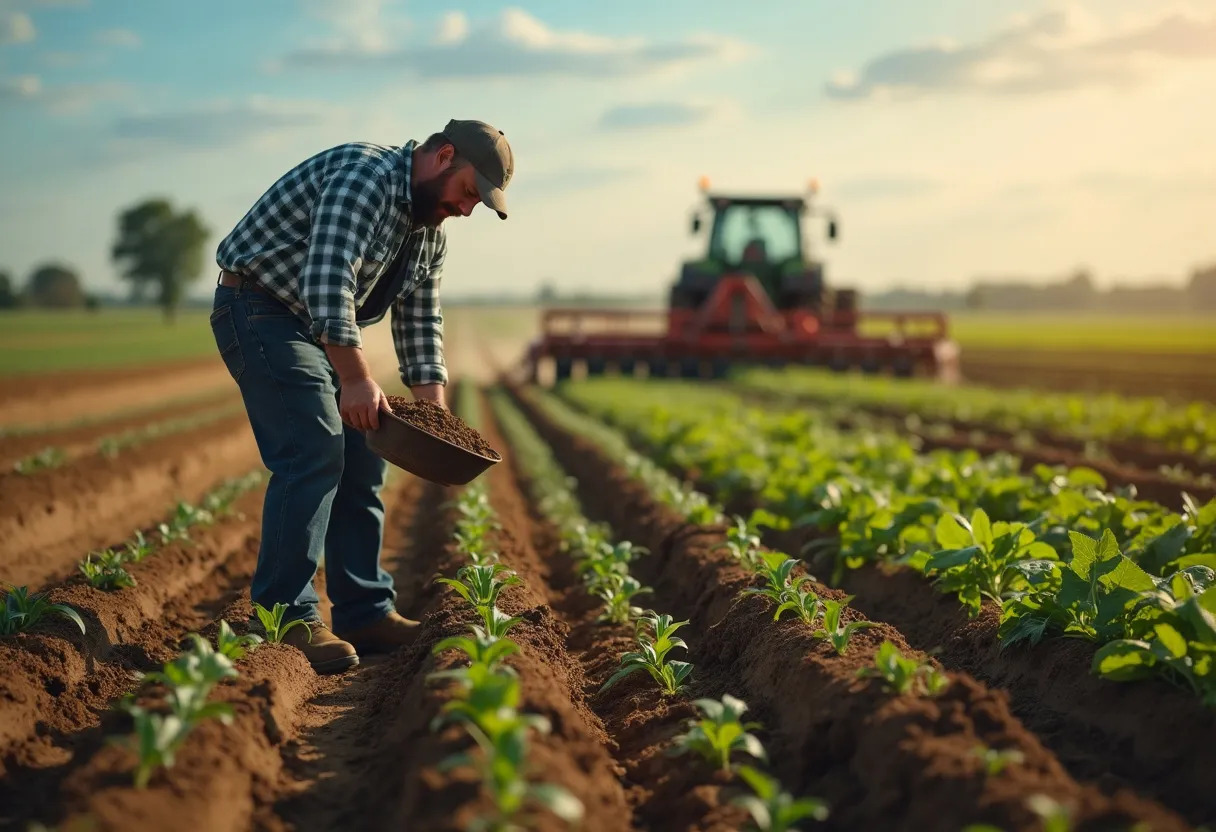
x=1167, y=355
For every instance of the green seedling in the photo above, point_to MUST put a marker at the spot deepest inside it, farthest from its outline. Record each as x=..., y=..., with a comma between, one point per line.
x=22, y=611
x=904, y=675
x=618, y=598
x=232, y=646
x=801, y=601
x=107, y=572
x=156, y=741
x=497, y=623
x=272, y=622
x=777, y=569
x=481, y=585
x=995, y=760
x=137, y=548
x=836, y=632
x=480, y=648
x=743, y=544
x=719, y=733
x=46, y=458
x=775, y=810
x=652, y=657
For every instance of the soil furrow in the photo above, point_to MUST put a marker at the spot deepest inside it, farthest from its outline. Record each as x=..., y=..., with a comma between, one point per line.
x=77, y=441
x=638, y=720
x=1097, y=728
x=882, y=761
x=50, y=518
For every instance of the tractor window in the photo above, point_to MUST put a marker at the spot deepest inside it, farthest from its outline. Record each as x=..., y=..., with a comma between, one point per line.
x=755, y=233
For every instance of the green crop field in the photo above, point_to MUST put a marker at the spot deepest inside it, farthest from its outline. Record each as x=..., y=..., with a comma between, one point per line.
x=1101, y=333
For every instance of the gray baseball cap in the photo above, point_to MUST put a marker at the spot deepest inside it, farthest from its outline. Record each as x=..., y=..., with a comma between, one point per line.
x=487, y=150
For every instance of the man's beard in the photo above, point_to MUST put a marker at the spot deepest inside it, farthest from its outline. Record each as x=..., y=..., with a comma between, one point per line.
x=425, y=200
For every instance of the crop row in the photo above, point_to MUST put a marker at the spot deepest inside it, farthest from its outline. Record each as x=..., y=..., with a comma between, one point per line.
x=1187, y=428
x=718, y=736
x=796, y=672
x=1059, y=554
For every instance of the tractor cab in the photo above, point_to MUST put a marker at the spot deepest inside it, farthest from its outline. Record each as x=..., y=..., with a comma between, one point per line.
x=758, y=236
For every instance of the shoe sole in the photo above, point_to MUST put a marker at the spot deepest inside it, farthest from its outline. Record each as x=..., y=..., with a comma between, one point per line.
x=336, y=665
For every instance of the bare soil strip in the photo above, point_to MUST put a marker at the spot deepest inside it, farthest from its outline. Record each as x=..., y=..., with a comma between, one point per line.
x=59, y=685
x=50, y=519
x=637, y=721
x=79, y=440
x=882, y=761
x=61, y=398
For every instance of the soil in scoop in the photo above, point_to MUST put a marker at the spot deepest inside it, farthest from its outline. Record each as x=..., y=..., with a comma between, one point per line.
x=430, y=417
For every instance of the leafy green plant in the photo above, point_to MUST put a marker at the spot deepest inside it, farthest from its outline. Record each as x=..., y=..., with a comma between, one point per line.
x=232, y=646
x=773, y=809
x=156, y=740
x=652, y=657
x=50, y=457
x=272, y=622
x=803, y=602
x=22, y=611
x=480, y=584
x=480, y=648
x=618, y=596
x=776, y=568
x=996, y=760
x=719, y=733
x=834, y=630
x=107, y=572
x=986, y=560
x=904, y=675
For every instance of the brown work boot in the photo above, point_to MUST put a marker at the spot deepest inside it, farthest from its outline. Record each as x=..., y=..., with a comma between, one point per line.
x=385, y=635
x=325, y=652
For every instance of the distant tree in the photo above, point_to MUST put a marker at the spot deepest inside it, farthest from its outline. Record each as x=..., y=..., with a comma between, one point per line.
x=54, y=286
x=161, y=249
x=8, y=294
x=1202, y=287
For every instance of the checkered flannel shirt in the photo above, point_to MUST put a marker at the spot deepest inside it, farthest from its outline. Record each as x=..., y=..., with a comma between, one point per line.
x=322, y=236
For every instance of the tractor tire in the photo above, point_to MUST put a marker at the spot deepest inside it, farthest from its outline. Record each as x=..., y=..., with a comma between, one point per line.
x=596, y=366
x=563, y=368
x=903, y=367
x=720, y=368
x=870, y=366
x=657, y=368
x=690, y=368
x=838, y=364
x=628, y=367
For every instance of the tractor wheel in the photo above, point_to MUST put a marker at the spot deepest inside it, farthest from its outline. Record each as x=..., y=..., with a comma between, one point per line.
x=690, y=368
x=720, y=368
x=563, y=368
x=628, y=367
x=838, y=364
x=658, y=368
x=904, y=367
x=596, y=366
x=870, y=365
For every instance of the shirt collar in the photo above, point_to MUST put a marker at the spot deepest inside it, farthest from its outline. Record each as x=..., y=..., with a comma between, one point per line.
x=405, y=196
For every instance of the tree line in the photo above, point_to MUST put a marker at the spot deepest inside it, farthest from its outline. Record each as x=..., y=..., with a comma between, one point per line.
x=157, y=249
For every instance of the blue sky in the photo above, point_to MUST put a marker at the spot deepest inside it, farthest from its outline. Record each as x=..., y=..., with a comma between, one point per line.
x=1023, y=139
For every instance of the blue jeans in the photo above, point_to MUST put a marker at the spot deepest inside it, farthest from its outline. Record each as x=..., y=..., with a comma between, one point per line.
x=323, y=497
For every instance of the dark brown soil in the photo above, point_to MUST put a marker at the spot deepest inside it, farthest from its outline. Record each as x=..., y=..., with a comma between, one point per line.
x=882, y=761
x=50, y=519
x=1100, y=730
x=638, y=720
x=441, y=422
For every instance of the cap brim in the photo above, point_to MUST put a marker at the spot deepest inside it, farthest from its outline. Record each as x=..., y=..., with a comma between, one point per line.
x=493, y=197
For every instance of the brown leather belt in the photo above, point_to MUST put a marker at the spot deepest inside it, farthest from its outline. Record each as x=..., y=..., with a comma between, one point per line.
x=236, y=281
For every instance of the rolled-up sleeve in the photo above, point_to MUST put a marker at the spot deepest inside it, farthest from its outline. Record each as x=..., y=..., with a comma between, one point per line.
x=347, y=209
x=417, y=325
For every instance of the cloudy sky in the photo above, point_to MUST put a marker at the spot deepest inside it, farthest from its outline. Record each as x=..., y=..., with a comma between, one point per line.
x=1029, y=138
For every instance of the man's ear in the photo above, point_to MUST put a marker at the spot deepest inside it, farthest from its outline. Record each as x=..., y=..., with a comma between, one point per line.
x=443, y=158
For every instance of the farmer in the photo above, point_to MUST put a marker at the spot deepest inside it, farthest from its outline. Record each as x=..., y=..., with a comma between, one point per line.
x=346, y=236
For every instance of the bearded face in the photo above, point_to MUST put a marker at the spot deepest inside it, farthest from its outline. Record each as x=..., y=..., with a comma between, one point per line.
x=438, y=198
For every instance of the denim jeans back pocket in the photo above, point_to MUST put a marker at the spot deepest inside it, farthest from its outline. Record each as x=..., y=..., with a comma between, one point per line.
x=224, y=330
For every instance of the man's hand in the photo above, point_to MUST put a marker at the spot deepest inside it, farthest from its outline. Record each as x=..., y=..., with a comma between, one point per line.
x=360, y=404
x=430, y=392
x=360, y=399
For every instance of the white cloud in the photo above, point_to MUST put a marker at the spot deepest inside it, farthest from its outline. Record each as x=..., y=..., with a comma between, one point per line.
x=16, y=27
x=453, y=28
x=20, y=87
x=516, y=44
x=122, y=38
x=1060, y=49
x=358, y=26
x=221, y=122
x=654, y=115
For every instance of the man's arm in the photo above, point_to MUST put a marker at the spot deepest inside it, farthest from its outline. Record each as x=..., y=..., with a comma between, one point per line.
x=417, y=326
x=343, y=218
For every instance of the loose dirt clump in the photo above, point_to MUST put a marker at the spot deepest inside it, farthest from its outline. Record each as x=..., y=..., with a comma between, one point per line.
x=441, y=422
